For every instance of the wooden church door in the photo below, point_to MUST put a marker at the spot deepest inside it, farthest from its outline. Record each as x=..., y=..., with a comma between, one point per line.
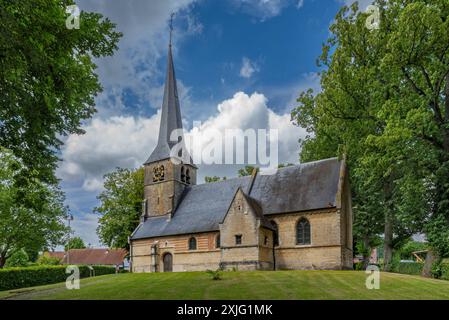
x=168, y=262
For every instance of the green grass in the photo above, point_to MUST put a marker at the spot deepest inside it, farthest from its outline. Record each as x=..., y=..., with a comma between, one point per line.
x=242, y=285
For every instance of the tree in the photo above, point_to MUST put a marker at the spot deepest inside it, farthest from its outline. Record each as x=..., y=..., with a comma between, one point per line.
x=213, y=179
x=75, y=243
x=47, y=78
x=121, y=206
x=31, y=212
x=385, y=103
x=18, y=259
x=247, y=171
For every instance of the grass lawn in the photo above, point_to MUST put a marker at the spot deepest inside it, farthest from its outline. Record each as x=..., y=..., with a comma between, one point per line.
x=278, y=285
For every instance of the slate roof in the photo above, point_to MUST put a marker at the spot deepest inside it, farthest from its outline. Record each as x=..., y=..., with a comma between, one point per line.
x=303, y=187
x=170, y=116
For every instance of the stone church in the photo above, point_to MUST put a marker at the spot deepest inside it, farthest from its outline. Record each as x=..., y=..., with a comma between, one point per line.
x=298, y=218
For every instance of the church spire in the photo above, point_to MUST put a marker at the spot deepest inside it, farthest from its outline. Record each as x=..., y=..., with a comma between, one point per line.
x=171, y=113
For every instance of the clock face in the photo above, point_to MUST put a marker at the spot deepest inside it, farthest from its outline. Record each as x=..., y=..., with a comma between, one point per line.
x=158, y=173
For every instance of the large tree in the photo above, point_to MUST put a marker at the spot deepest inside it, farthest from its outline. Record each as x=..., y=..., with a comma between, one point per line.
x=385, y=102
x=47, y=77
x=31, y=212
x=121, y=206
x=75, y=243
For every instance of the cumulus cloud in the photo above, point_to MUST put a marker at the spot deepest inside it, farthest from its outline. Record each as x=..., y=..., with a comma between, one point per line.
x=248, y=68
x=107, y=144
x=145, y=39
x=127, y=141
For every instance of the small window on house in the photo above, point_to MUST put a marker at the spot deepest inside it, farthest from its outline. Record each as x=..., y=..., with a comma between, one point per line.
x=265, y=241
x=238, y=239
x=217, y=242
x=192, y=243
x=303, y=232
x=183, y=175
x=188, y=176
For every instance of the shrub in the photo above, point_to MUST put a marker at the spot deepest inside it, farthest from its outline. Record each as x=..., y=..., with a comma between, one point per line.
x=216, y=275
x=48, y=261
x=358, y=265
x=18, y=259
x=413, y=268
x=14, y=278
x=440, y=270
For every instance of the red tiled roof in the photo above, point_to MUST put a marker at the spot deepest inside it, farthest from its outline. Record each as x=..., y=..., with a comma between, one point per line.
x=96, y=256
x=92, y=256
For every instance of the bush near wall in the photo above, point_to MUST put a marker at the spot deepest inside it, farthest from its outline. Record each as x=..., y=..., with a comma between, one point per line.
x=14, y=278
x=440, y=270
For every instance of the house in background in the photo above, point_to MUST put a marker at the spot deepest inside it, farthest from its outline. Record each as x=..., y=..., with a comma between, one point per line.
x=103, y=257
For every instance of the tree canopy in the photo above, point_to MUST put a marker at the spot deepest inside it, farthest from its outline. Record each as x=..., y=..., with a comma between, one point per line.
x=385, y=103
x=121, y=206
x=47, y=77
x=75, y=243
x=31, y=212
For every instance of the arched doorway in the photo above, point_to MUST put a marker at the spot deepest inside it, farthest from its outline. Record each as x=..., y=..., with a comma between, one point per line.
x=168, y=262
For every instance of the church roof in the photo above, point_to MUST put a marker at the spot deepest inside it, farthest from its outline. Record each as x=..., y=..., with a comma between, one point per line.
x=170, y=115
x=303, y=187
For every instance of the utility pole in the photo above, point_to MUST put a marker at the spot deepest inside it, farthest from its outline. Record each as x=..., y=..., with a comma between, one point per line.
x=69, y=218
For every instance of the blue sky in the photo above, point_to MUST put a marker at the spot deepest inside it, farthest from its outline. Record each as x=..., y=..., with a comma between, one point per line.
x=239, y=63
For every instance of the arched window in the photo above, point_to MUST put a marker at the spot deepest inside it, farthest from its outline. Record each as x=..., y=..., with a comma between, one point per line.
x=188, y=176
x=217, y=241
x=183, y=175
x=192, y=243
x=275, y=233
x=303, y=232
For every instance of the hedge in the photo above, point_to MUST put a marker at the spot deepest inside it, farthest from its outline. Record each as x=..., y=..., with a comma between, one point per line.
x=22, y=277
x=413, y=268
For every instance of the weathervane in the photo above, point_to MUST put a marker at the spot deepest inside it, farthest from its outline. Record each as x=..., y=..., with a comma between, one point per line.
x=171, y=25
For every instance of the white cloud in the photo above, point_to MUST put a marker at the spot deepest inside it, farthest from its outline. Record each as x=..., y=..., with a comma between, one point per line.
x=300, y=4
x=263, y=9
x=248, y=68
x=128, y=141
x=107, y=144
x=145, y=39
x=363, y=4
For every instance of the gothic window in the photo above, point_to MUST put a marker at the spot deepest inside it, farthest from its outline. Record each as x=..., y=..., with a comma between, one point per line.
x=188, y=176
x=192, y=243
x=158, y=173
x=303, y=232
x=275, y=233
x=183, y=175
x=217, y=242
x=238, y=239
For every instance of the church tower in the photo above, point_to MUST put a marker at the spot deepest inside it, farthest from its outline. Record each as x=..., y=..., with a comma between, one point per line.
x=166, y=174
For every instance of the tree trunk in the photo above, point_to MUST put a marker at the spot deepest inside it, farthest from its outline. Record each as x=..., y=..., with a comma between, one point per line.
x=388, y=242
x=366, y=254
x=2, y=261
x=431, y=257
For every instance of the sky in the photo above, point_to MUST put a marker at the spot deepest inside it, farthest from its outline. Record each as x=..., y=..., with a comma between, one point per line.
x=239, y=64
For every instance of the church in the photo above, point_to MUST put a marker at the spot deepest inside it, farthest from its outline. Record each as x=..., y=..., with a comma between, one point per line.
x=297, y=218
